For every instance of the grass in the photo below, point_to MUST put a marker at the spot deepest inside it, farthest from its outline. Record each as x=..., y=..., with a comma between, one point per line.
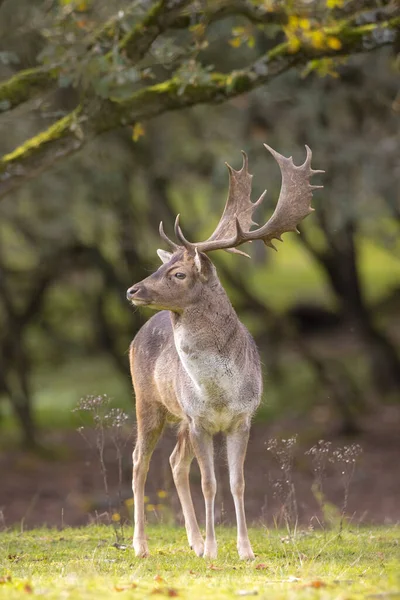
x=82, y=563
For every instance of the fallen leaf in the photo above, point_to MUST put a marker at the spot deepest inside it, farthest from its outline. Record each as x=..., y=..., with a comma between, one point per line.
x=261, y=566
x=158, y=578
x=28, y=588
x=122, y=588
x=5, y=579
x=214, y=568
x=316, y=584
x=172, y=592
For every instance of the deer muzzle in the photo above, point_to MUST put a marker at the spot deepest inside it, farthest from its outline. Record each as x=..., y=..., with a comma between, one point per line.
x=137, y=294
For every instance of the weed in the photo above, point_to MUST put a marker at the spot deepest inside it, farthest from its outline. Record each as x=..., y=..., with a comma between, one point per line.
x=107, y=423
x=284, y=488
x=344, y=459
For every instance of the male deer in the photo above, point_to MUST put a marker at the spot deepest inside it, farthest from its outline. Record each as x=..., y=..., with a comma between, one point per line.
x=196, y=363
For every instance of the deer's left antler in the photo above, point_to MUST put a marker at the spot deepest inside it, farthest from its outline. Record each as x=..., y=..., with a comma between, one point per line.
x=294, y=204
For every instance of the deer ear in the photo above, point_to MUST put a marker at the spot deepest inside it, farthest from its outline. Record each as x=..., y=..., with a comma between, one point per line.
x=197, y=260
x=164, y=255
x=201, y=264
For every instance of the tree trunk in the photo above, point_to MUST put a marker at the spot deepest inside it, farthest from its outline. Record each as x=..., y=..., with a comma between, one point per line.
x=341, y=266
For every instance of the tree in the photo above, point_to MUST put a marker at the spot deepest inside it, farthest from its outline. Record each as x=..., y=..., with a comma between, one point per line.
x=113, y=65
x=88, y=69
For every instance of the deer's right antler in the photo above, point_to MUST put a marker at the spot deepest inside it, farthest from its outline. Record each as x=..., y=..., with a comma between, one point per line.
x=233, y=229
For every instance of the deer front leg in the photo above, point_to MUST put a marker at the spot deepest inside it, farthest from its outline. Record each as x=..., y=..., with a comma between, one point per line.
x=236, y=442
x=145, y=445
x=204, y=450
x=180, y=461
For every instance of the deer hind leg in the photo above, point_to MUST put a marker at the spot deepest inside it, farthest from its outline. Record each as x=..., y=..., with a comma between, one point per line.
x=202, y=443
x=236, y=441
x=150, y=426
x=180, y=461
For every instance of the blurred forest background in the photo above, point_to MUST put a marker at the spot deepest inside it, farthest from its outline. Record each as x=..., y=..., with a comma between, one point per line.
x=117, y=114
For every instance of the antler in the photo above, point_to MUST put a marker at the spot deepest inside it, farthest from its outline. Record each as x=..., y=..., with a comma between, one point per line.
x=294, y=204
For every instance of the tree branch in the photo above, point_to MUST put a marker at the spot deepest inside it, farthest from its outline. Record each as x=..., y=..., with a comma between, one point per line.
x=28, y=83
x=159, y=18
x=70, y=133
x=40, y=152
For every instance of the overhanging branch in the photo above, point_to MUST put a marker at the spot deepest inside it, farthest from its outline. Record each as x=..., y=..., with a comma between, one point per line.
x=27, y=83
x=68, y=135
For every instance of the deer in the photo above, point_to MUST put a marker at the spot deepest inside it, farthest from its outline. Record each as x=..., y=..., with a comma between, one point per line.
x=195, y=364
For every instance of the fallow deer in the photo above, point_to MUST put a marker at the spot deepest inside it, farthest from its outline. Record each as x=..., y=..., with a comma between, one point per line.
x=195, y=362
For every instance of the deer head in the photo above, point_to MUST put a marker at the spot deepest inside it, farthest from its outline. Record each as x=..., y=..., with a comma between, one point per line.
x=178, y=282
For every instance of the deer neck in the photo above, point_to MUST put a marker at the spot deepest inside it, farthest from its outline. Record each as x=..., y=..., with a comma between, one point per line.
x=209, y=340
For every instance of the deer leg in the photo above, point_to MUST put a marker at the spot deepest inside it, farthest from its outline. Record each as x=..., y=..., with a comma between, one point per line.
x=180, y=461
x=236, y=442
x=204, y=450
x=148, y=436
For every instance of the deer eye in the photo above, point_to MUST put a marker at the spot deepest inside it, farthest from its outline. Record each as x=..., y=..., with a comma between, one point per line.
x=180, y=275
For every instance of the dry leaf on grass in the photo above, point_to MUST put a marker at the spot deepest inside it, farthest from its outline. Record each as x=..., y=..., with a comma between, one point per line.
x=122, y=588
x=214, y=568
x=171, y=592
x=316, y=584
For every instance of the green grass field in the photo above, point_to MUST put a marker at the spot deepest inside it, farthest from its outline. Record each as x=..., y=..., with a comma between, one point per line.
x=83, y=563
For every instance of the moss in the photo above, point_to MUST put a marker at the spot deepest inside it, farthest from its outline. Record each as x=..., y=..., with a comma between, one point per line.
x=105, y=115
x=23, y=85
x=56, y=131
x=134, y=36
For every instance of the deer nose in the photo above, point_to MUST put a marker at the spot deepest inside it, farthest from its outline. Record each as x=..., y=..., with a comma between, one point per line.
x=132, y=291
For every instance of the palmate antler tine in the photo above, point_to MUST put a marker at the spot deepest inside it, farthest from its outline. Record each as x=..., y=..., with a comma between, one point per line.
x=233, y=229
x=294, y=202
x=238, y=206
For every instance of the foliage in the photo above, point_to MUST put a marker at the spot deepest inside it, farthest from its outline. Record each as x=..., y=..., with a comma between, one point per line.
x=98, y=80
x=82, y=563
x=110, y=63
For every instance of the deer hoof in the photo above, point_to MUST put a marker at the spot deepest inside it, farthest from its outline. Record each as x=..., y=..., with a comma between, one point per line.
x=246, y=553
x=210, y=550
x=198, y=547
x=141, y=548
